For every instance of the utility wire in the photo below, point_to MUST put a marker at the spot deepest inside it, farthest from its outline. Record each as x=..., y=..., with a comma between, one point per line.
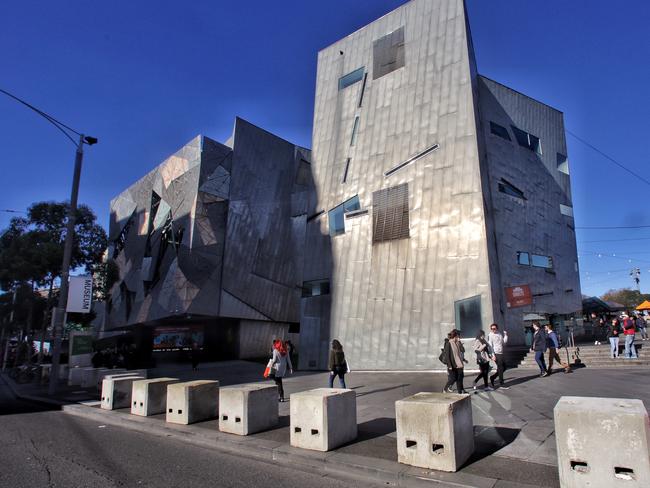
x=617, y=240
x=616, y=227
x=56, y=123
x=588, y=144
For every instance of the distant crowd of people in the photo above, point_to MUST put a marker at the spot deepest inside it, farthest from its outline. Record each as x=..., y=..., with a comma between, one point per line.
x=123, y=356
x=626, y=326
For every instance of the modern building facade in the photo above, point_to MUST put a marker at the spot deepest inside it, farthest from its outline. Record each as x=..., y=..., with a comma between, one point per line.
x=209, y=246
x=443, y=197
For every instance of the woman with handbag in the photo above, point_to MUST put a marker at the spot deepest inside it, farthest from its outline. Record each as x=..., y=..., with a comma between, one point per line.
x=278, y=365
x=337, y=364
x=483, y=354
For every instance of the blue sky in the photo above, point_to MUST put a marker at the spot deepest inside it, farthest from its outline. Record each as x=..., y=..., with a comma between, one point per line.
x=145, y=77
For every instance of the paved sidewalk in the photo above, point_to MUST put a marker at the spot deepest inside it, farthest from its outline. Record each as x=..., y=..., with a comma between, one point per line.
x=515, y=443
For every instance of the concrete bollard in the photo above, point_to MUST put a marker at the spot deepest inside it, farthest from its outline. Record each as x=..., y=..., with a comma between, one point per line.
x=192, y=401
x=323, y=419
x=89, y=376
x=434, y=430
x=74, y=376
x=116, y=391
x=149, y=397
x=121, y=371
x=246, y=409
x=602, y=442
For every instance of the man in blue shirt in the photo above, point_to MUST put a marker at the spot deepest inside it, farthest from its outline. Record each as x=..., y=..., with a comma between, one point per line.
x=553, y=346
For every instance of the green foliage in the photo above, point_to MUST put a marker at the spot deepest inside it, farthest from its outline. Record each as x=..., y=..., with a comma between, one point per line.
x=626, y=296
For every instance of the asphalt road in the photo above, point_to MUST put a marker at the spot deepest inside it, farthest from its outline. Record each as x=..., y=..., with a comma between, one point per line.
x=48, y=448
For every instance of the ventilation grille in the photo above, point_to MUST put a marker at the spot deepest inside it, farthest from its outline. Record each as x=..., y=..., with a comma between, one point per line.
x=390, y=213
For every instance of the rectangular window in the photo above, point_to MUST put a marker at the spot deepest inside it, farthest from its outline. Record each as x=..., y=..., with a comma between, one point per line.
x=566, y=210
x=351, y=78
x=500, y=131
x=540, y=261
x=363, y=89
x=527, y=140
x=390, y=213
x=410, y=160
x=468, y=316
x=388, y=53
x=315, y=288
x=345, y=172
x=523, y=258
x=337, y=215
x=562, y=164
x=355, y=128
x=509, y=189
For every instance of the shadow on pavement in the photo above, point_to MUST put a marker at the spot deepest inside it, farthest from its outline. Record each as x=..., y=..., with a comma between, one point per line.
x=381, y=390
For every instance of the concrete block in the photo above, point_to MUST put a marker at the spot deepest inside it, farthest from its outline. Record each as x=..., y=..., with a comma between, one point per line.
x=116, y=391
x=602, y=442
x=192, y=401
x=74, y=376
x=246, y=409
x=435, y=430
x=103, y=372
x=89, y=376
x=116, y=372
x=149, y=397
x=323, y=419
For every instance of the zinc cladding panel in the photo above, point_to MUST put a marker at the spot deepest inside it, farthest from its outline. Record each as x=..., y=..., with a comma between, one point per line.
x=390, y=213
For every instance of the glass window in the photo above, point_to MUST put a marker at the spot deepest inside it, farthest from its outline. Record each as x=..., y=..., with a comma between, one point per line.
x=351, y=78
x=337, y=215
x=363, y=89
x=540, y=261
x=562, y=164
x=355, y=128
x=388, y=53
x=510, y=189
x=315, y=288
x=468, y=316
x=500, y=131
x=523, y=258
x=345, y=172
x=566, y=210
x=410, y=160
x=529, y=141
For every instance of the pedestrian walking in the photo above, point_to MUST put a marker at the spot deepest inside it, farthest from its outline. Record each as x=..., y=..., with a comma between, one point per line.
x=453, y=355
x=279, y=364
x=337, y=364
x=553, y=344
x=614, y=331
x=195, y=356
x=641, y=327
x=539, y=347
x=291, y=350
x=483, y=354
x=497, y=342
x=629, y=331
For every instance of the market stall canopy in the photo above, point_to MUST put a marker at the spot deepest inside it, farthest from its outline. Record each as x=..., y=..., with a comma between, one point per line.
x=597, y=305
x=644, y=306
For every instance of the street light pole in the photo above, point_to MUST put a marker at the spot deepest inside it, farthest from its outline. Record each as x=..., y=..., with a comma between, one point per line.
x=60, y=311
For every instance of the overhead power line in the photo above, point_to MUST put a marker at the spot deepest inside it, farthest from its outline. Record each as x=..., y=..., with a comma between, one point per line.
x=616, y=240
x=616, y=227
x=606, y=156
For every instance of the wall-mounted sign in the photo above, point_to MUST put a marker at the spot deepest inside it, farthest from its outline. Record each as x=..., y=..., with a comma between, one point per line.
x=518, y=296
x=80, y=294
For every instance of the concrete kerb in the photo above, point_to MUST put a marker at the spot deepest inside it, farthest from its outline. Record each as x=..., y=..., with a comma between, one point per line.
x=332, y=464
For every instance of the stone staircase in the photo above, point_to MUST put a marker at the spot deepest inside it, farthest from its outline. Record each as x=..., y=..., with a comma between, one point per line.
x=592, y=356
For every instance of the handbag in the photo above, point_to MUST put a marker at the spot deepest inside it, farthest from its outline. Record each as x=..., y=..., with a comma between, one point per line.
x=269, y=365
x=347, y=366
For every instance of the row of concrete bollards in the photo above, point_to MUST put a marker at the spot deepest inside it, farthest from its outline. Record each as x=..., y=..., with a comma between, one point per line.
x=601, y=442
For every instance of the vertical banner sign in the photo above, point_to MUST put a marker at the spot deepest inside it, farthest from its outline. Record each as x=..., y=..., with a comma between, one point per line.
x=80, y=294
x=518, y=296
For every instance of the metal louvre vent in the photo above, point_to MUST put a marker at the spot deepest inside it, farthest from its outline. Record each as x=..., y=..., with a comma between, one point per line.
x=388, y=53
x=390, y=213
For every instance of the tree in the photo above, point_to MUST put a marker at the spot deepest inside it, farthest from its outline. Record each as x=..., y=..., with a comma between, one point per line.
x=626, y=296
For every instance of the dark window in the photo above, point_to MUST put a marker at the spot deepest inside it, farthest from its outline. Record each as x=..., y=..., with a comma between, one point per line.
x=410, y=160
x=351, y=78
x=345, y=173
x=523, y=258
x=468, y=316
x=120, y=242
x=355, y=128
x=562, y=164
x=388, y=53
x=337, y=215
x=510, y=189
x=390, y=213
x=527, y=140
x=500, y=131
x=315, y=288
x=363, y=89
x=540, y=261
x=304, y=172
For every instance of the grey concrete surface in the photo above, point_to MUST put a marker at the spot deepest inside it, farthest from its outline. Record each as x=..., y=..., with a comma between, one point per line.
x=249, y=408
x=117, y=390
x=149, y=397
x=192, y=401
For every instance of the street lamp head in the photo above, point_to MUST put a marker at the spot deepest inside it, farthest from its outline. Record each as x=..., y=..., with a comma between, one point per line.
x=90, y=140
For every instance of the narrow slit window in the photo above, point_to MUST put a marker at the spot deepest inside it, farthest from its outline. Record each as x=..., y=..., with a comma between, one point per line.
x=363, y=89
x=499, y=130
x=355, y=128
x=351, y=78
x=562, y=164
x=509, y=189
x=345, y=172
x=411, y=160
x=529, y=141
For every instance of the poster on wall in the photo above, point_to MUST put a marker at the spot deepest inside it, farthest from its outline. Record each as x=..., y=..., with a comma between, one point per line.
x=518, y=296
x=177, y=338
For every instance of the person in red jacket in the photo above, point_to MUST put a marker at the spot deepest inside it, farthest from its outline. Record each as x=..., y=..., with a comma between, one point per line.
x=629, y=330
